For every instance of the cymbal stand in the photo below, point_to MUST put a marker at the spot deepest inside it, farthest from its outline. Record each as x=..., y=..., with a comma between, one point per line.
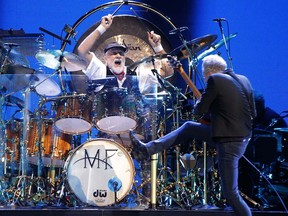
x=176, y=114
x=154, y=160
x=23, y=179
x=59, y=71
x=192, y=55
x=6, y=59
x=204, y=173
x=3, y=156
x=2, y=141
x=40, y=165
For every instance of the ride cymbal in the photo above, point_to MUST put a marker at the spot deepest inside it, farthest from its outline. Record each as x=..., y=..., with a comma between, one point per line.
x=55, y=59
x=196, y=45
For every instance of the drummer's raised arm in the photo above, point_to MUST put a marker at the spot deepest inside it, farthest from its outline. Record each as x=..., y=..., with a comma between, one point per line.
x=155, y=41
x=85, y=47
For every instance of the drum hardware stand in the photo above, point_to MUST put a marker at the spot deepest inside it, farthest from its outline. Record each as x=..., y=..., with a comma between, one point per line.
x=154, y=160
x=191, y=53
x=5, y=62
x=205, y=191
x=3, y=155
x=259, y=195
x=23, y=179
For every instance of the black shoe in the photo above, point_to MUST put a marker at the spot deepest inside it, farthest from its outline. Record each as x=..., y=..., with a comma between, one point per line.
x=139, y=150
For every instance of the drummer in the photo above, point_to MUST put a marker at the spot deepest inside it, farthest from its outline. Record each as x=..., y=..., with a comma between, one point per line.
x=114, y=56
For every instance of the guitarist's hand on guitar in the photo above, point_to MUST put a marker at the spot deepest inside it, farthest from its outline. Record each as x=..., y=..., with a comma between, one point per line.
x=173, y=61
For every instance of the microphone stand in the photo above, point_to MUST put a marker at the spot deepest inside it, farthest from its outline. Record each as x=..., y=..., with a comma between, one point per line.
x=225, y=42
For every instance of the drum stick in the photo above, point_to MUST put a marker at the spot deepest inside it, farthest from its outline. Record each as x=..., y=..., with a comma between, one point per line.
x=141, y=21
x=117, y=9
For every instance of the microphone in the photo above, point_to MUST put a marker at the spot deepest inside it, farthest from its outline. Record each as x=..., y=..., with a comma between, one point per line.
x=178, y=30
x=219, y=19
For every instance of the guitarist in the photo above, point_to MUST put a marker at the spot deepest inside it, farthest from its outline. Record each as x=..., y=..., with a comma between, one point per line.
x=229, y=100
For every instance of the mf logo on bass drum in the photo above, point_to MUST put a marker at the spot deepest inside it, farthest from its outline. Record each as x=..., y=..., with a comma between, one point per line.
x=100, y=157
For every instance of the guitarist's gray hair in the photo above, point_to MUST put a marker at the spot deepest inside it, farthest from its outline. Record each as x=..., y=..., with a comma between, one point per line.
x=213, y=64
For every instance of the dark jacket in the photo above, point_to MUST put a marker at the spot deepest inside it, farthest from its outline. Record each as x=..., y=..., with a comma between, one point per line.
x=231, y=112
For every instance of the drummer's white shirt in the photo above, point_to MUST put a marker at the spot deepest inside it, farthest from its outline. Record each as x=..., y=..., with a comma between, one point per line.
x=148, y=82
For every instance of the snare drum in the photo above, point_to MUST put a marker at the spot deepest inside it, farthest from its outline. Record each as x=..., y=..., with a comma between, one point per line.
x=115, y=111
x=74, y=114
x=97, y=169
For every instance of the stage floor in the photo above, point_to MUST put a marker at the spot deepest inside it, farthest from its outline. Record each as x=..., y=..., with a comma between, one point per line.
x=49, y=211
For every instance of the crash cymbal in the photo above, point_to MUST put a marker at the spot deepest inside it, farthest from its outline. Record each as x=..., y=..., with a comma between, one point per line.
x=45, y=86
x=17, y=69
x=14, y=56
x=52, y=58
x=147, y=60
x=214, y=47
x=196, y=45
x=284, y=129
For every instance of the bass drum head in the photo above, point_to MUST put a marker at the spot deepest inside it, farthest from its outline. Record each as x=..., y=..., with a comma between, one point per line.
x=97, y=169
x=126, y=30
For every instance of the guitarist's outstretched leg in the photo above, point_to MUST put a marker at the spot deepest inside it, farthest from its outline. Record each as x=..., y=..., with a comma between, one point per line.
x=188, y=131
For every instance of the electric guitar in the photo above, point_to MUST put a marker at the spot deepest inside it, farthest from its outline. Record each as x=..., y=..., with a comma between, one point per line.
x=178, y=66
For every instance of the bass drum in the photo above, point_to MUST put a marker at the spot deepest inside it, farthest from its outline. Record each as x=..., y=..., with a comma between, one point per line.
x=98, y=170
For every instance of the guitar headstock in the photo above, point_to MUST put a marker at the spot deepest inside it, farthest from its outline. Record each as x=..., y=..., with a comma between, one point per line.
x=174, y=62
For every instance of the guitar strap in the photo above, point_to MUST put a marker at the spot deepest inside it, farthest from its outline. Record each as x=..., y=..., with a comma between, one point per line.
x=233, y=75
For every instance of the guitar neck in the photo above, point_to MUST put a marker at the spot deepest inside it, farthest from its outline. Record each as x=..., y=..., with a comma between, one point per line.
x=191, y=85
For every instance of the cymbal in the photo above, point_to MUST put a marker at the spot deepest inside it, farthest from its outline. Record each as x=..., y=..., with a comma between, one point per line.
x=52, y=58
x=284, y=129
x=46, y=86
x=196, y=45
x=146, y=64
x=215, y=46
x=17, y=69
x=14, y=101
x=147, y=59
x=15, y=77
x=14, y=82
x=14, y=57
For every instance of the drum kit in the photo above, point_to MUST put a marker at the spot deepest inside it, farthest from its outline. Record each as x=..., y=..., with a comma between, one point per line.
x=45, y=161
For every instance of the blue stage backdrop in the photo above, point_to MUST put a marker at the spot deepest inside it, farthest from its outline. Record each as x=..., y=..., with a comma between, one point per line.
x=258, y=51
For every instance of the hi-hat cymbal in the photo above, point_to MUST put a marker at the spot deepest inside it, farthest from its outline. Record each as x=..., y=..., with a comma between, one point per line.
x=196, y=45
x=55, y=58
